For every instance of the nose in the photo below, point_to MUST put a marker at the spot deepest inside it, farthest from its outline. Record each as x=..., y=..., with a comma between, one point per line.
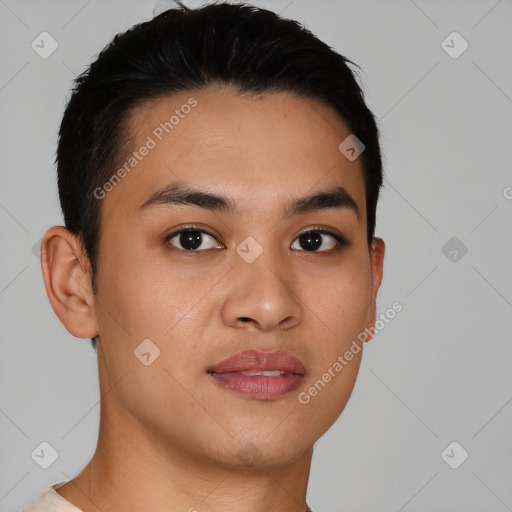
x=263, y=295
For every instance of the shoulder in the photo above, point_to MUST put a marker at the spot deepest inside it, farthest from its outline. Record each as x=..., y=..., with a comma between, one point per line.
x=51, y=501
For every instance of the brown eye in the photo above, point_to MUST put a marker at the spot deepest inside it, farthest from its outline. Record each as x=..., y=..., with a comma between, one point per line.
x=316, y=240
x=192, y=240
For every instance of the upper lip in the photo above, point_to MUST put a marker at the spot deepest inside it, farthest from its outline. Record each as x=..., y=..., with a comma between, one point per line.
x=257, y=360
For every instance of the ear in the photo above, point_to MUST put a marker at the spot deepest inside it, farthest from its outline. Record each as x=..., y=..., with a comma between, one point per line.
x=67, y=281
x=377, y=263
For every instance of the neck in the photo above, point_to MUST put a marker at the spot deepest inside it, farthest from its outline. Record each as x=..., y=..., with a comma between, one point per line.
x=135, y=469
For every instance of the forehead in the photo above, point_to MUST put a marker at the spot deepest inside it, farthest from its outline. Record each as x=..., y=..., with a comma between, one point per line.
x=261, y=148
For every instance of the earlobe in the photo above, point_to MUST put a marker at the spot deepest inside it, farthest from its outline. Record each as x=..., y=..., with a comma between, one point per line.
x=67, y=281
x=378, y=250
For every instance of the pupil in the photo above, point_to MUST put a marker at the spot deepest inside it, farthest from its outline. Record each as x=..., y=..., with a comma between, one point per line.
x=192, y=238
x=311, y=240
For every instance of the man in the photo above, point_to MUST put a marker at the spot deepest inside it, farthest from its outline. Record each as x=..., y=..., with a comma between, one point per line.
x=219, y=173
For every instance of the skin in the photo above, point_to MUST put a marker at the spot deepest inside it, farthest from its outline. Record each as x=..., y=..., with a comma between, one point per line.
x=169, y=435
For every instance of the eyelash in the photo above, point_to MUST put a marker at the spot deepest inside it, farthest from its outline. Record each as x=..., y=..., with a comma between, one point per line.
x=324, y=230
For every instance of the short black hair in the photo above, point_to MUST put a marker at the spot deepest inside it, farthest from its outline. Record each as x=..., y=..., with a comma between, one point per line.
x=251, y=49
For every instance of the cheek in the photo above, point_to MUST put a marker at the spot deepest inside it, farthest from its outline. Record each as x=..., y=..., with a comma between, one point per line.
x=141, y=298
x=340, y=298
x=144, y=296
x=342, y=304
x=138, y=301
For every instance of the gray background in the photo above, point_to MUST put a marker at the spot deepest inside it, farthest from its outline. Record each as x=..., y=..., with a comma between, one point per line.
x=439, y=372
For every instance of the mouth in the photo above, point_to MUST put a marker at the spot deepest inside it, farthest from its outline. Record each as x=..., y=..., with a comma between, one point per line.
x=259, y=375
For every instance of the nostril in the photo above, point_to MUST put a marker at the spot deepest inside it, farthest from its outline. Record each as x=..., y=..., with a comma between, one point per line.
x=245, y=319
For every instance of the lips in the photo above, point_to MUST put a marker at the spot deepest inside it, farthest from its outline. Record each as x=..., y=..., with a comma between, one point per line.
x=259, y=375
x=259, y=361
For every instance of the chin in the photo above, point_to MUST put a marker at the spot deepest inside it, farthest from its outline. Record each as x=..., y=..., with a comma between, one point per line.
x=263, y=454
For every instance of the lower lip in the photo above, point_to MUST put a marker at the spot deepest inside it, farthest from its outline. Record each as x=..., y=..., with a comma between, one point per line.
x=259, y=386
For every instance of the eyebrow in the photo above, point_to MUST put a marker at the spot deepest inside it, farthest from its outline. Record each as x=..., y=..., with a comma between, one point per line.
x=179, y=194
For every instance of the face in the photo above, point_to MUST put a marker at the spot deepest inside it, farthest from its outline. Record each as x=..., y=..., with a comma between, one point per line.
x=260, y=267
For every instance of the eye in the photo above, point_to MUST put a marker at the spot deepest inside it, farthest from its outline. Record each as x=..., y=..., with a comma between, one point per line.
x=192, y=240
x=317, y=240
